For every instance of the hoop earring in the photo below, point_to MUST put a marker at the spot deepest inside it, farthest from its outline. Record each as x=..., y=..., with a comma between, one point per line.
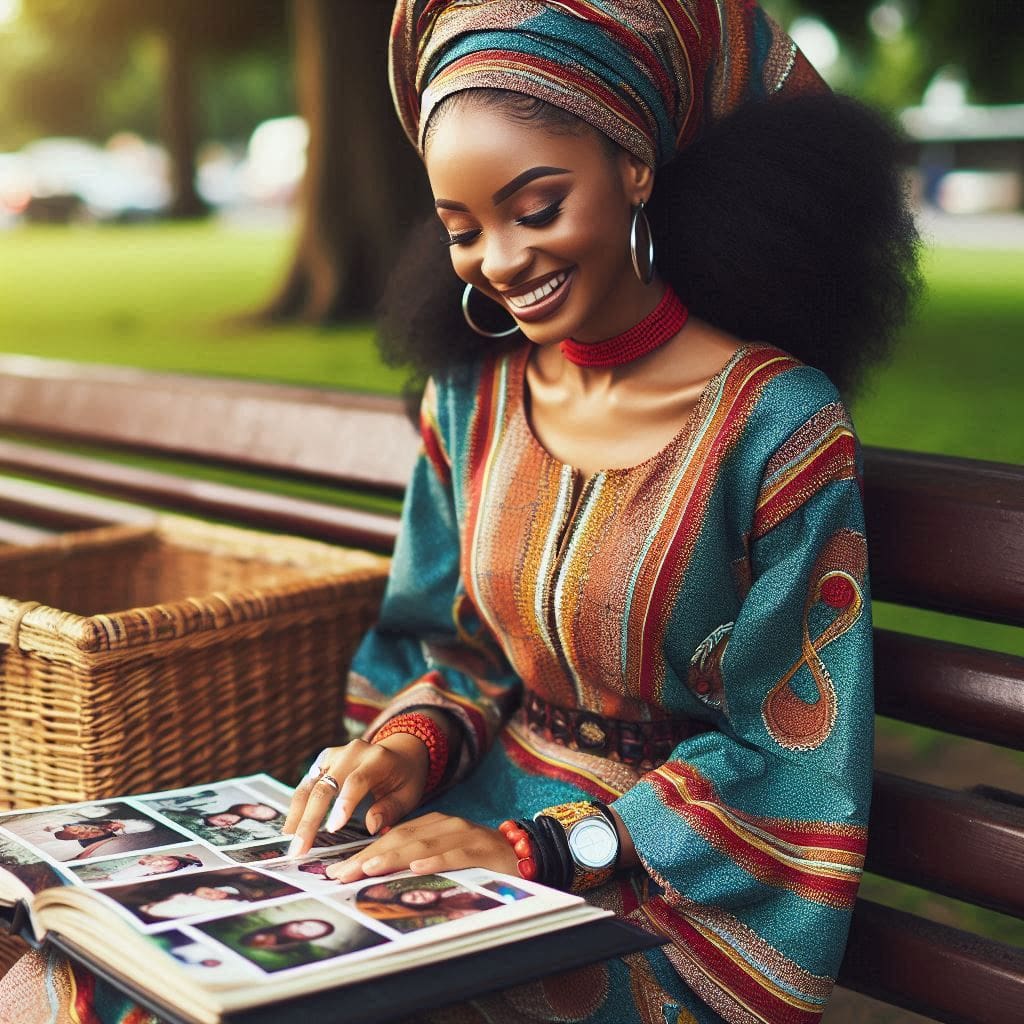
x=640, y=226
x=467, y=291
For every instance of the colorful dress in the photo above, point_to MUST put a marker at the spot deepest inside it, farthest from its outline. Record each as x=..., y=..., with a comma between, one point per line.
x=723, y=580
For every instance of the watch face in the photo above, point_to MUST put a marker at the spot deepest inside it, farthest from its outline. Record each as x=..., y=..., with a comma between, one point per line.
x=593, y=843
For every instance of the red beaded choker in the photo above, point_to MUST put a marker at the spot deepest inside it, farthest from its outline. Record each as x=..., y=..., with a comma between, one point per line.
x=665, y=321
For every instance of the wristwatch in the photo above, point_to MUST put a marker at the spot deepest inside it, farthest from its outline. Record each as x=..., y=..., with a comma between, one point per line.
x=593, y=842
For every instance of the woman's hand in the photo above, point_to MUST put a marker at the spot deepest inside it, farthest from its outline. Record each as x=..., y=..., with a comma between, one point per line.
x=434, y=842
x=393, y=771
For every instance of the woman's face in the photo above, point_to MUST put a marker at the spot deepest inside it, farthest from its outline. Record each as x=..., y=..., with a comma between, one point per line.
x=307, y=929
x=257, y=812
x=83, y=831
x=540, y=221
x=225, y=819
x=159, y=863
x=419, y=897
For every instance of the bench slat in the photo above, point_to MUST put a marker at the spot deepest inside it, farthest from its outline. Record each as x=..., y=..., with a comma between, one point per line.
x=961, y=690
x=55, y=509
x=958, y=844
x=932, y=969
x=334, y=523
x=946, y=533
x=321, y=434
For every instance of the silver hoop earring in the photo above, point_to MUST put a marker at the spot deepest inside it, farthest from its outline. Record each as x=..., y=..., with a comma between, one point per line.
x=467, y=291
x=640, y=238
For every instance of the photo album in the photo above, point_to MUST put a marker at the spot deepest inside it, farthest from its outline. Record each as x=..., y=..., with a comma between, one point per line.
x=187, y=899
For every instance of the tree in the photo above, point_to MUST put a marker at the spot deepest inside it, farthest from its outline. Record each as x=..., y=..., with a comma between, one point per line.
x=364, y=186
x=103, y=31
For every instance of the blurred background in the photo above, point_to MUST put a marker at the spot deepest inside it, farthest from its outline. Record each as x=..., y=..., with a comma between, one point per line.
x=221, y=187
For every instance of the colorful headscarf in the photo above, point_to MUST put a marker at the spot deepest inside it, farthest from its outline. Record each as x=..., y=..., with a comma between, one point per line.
x=648, y=73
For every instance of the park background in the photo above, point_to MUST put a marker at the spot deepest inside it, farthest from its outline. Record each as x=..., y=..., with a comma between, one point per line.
x=164, y=205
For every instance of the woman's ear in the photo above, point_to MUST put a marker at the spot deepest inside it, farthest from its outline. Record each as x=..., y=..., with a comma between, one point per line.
x=637, y=178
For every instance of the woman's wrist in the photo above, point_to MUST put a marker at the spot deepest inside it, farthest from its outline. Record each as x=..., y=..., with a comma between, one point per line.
x=418, y=735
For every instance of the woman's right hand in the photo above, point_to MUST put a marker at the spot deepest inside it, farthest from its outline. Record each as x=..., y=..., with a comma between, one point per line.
x=393, y=771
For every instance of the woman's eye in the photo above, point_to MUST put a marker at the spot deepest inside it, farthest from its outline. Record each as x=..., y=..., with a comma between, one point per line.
x=541, y=217
x=462, y=238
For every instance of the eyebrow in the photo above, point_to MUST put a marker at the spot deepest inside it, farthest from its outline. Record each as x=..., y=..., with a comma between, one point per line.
x=506, y=191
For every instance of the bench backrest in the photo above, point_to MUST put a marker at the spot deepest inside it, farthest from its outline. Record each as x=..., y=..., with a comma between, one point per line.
x=945, y=534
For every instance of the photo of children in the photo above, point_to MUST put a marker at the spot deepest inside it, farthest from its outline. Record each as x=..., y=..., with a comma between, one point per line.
x=202, y=958
x=27, y=866
x=421, y=901
x=91, y=831
x=147, y=865
x=177, y=897
x=222, y=815
x=291, y=934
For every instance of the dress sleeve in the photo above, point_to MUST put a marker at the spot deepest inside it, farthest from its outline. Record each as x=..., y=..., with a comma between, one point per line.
x=755, y=832
x=430, y=648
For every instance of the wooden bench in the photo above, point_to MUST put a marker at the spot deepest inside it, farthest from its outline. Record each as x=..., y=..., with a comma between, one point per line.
x=945, y=534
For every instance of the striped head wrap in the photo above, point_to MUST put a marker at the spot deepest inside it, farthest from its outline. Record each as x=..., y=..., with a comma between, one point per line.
x=647, y=73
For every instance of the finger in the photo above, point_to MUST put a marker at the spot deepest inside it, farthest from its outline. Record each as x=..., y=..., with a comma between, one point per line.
x=387, y=811
x=373, y=775
x=302, y=791
x=321, y=794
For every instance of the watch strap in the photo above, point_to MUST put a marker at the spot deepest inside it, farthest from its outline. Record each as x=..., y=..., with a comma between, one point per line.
x=568, y=816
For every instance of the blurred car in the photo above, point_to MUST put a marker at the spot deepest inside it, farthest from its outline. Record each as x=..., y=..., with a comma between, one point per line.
x=275, y=161
x=15, y=186
x=75, y=179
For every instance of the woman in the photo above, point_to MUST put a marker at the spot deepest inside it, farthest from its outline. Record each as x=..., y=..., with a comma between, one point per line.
x=632, y=566
x=288, y=935
x=637, y=514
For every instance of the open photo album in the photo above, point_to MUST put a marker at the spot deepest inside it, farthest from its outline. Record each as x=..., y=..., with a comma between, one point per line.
x=187, y=899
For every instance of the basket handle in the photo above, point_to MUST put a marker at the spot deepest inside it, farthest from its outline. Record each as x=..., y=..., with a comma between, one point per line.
x=13, y=639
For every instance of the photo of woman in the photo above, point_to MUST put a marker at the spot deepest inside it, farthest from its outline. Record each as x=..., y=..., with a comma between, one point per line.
x=291, y=934
x=222, y=815
x=409, y=904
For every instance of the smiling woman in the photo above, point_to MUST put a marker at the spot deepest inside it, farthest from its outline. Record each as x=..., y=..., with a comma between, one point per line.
x=626, y=644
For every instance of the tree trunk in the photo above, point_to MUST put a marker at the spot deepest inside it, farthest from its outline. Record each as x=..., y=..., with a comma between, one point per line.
x=180, y=121
x=364, y=185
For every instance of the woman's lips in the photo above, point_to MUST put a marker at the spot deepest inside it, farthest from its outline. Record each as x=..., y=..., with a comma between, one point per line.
x=546, y=306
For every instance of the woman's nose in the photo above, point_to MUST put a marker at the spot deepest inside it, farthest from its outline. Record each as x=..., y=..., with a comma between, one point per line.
x=505, y=259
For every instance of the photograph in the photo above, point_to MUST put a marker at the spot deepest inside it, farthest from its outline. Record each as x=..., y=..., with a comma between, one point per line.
x=170, y=860
x=419, y=901
x=93, y=830
x=175, y=897
x=27, y=866
x=506, y=891
x=292, y=934
x=203, y=959
x=311, y=872
x=222, y=815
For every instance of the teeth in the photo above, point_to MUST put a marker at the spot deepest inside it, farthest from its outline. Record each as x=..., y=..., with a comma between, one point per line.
x=530, y=298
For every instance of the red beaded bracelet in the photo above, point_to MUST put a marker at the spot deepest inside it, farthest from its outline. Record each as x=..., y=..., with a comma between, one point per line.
x=522, y=847
x=424, y=728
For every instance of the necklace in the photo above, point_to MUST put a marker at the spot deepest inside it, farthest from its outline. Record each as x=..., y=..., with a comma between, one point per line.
x=665, y=321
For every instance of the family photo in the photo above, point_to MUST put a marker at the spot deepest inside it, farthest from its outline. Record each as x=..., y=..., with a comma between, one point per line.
x=94, y=830
x=166, y=861
x=222, y=816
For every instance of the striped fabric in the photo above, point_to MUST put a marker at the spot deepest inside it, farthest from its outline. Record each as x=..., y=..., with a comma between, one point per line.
x=645, y=72
x=723, y=579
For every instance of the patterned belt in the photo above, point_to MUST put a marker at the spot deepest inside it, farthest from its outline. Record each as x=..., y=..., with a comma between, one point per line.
x=640, y=744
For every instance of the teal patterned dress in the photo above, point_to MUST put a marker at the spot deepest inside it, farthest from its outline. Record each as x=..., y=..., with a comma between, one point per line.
x=723, y=580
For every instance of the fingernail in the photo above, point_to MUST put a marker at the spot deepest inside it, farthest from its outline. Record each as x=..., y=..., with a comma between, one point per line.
x=371, y=864
x=373, y=822
x=295, y=848
x=338, y=815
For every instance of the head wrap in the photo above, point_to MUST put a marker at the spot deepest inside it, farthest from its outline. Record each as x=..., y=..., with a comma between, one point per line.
x=647, y=73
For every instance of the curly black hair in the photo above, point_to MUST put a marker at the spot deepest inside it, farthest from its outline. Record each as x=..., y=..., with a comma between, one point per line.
x=786, y=222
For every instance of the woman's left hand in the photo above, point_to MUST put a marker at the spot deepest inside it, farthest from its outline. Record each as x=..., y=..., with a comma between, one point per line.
x=433, y=842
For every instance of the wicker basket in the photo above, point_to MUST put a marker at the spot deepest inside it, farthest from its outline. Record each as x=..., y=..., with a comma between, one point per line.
x=230, y=657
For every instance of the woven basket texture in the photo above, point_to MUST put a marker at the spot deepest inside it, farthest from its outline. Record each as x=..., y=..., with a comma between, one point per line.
x=138, y=658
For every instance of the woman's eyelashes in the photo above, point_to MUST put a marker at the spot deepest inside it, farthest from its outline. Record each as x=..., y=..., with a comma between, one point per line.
x=539, y=219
